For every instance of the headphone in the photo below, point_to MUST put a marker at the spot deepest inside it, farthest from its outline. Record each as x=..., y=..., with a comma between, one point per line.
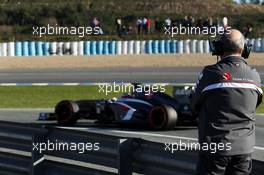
x=217, y=47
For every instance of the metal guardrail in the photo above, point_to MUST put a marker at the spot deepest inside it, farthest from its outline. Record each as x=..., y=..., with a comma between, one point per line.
x=117, y=155
x=151, y=158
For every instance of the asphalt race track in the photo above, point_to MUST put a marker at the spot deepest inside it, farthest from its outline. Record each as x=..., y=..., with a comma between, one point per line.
x=187, y=132
x=146, y=75
x=141, y=75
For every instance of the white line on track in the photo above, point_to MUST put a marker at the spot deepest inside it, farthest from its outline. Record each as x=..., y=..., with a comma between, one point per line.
x=39, y=161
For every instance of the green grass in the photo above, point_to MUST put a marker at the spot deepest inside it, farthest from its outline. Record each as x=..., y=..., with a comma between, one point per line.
x=48, y=97
x=261, y=108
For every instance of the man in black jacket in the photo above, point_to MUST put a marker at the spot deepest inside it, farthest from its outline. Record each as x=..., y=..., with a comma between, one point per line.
x=225, y=98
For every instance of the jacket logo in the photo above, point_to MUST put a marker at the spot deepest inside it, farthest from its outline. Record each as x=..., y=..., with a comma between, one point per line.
x=227, y=76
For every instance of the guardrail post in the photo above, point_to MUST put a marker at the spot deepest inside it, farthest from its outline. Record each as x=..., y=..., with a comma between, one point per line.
x=125, y=157
x=37, y=155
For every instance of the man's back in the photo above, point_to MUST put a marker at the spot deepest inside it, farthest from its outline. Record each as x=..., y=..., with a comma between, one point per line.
x=228, y=98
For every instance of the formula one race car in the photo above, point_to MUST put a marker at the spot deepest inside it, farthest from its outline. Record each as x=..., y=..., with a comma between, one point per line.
x=156, y=110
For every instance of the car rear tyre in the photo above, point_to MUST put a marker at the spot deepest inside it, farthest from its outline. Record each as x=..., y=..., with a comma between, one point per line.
x=66, y=112
x=163, y=117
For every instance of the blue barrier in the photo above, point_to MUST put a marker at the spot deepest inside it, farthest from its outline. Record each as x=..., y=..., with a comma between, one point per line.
x=193, y=44
x=199, y=46
x=142, y=49
x=39, y=49
x=173, y=46
x=206, y=46
x=149, y=47
x=53, y=48
x=162, y=46
x=155, y=46
x=60, y=48
x=180, y=46
x=99, y=47
x=112, y=47
x=18, y=48
x=93, y=48
x=25, y=48
x=45, y=48
x=80, y=49
x=32, y=48
x=186, y=46
x=106, y=48
x=87, y=48
x=167, y=46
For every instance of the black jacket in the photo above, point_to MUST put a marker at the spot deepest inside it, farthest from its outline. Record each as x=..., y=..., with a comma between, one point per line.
x=226, y=96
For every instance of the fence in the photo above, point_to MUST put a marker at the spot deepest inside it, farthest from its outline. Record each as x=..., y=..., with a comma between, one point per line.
x=117, y=155
x=87, y=48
